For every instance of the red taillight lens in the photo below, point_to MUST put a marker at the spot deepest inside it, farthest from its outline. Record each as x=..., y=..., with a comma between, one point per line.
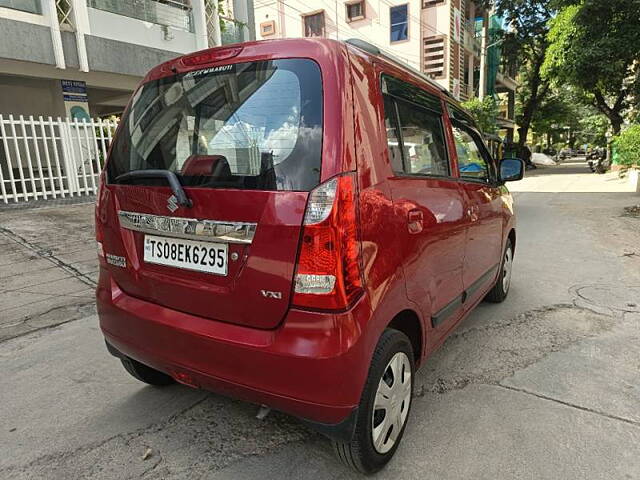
x=328, y=271
x=99, y=216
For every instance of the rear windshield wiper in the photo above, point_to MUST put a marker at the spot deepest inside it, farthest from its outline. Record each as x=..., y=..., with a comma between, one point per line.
x=170, y=177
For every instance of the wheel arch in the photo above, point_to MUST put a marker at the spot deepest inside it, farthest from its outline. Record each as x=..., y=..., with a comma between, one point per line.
x=512, y=236
x=409, y=323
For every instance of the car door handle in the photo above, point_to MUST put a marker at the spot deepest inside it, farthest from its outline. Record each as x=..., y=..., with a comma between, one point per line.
x=415, y=221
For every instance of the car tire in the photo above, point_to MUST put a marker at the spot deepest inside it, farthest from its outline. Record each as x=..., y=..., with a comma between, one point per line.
x=146, y=374
x=375, y=441
x=501, y=288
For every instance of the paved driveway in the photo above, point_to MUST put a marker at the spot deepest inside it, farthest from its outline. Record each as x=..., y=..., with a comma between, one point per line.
x=545, y=385
x=48, y=266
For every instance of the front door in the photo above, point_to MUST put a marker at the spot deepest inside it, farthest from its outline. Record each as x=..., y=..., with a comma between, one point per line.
x=483, y=211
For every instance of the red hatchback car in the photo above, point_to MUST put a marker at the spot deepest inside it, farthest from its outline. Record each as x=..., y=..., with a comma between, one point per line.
x=299, y=224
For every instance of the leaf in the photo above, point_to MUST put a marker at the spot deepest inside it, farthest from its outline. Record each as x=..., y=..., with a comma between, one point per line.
x=147, y=454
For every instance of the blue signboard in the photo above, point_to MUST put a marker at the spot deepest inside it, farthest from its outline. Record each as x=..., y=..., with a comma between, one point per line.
x=73, y=87
x=76, y=102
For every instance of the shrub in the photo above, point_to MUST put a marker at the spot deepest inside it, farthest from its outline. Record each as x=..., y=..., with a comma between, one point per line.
x=484, y=112
x=627, y=146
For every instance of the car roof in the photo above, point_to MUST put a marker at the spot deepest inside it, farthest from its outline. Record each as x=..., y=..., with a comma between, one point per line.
x=283, y=46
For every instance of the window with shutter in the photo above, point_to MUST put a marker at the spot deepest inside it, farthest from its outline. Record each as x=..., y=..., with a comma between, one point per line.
x=435, y=56
x=314, y=25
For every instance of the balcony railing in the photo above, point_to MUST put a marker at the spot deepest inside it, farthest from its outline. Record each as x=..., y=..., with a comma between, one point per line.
x=30, y=6
x=172, y=13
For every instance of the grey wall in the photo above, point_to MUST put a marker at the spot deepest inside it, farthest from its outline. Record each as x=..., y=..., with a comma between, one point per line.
x=119, y=57
x=70, y=49
x=30, y=96
x=32, y=43
x=27, y=96
x=25, y=41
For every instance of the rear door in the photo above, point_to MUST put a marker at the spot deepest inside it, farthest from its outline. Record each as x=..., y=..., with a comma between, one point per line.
x=428, y=199
x=245, y=142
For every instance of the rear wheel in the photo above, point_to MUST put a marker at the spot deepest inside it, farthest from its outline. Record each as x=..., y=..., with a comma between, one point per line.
x=501, y=289
x=384, y=406
x=602, y=167
x=146, y=374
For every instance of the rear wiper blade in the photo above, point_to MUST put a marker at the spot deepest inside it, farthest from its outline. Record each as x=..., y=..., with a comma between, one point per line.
x=170, y=177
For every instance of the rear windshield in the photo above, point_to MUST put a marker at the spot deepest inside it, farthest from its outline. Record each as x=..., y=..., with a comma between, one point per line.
x=254, y=125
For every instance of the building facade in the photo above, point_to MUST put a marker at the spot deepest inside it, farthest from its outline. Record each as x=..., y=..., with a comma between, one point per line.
x=55, y=51
x=449, y=40
x=66, y=66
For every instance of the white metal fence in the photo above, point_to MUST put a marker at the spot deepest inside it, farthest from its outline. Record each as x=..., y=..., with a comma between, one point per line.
x=47, y=158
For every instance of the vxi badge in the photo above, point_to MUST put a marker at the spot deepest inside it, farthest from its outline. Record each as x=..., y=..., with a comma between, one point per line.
x=270, y=294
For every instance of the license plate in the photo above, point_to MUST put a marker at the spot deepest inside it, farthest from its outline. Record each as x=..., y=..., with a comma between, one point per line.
x=188, y=254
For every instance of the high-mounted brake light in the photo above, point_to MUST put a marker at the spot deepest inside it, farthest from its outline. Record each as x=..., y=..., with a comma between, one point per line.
x=210, y=56
x=328, y=271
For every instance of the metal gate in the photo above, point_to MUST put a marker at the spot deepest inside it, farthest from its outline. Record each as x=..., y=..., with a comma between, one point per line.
x=47, y=158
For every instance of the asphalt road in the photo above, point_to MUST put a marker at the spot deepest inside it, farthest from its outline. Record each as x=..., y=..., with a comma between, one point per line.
x=545, y=385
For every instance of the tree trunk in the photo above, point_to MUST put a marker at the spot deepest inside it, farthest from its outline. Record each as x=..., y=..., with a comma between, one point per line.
x=612, y=113
x=538, y=88
x=616, y=123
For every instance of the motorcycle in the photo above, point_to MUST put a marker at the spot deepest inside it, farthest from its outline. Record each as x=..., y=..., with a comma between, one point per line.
x=598, y=161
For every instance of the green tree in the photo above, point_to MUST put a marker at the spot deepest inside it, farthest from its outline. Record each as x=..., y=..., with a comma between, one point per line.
x=553, y=114
x=567, y=110
x=593, y=128
x=627, y=146
x=485, y=113
x=526, y=43
x=595, y=46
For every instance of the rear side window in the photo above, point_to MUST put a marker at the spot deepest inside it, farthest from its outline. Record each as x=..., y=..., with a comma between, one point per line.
x=254, y=125
x=415, y=137
x=422, y=141
x=393, y=135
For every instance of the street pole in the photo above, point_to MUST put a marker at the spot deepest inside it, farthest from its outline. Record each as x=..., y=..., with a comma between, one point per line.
x=483, y=57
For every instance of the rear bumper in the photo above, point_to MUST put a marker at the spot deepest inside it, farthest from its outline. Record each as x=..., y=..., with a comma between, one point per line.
x=313, y=366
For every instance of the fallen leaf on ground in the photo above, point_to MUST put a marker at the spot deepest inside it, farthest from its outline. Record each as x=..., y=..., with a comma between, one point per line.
x=633, y=211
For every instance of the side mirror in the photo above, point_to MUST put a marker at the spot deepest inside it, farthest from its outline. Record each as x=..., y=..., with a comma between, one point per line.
x=511, y=169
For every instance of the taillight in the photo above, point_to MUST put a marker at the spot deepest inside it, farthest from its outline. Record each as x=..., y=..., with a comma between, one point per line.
x=99, y=216
x=328, y=270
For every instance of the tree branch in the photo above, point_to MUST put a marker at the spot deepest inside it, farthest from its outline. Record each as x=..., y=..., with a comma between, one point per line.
x=618, y=106
x=601, y=102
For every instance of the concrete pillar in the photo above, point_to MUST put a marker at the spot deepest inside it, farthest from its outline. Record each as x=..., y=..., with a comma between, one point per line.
x=281, y=18
x=243, y=12
x=199, y=15
x=469, y=79
x=215, y=34
x=49, y=12
x=80, y=16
